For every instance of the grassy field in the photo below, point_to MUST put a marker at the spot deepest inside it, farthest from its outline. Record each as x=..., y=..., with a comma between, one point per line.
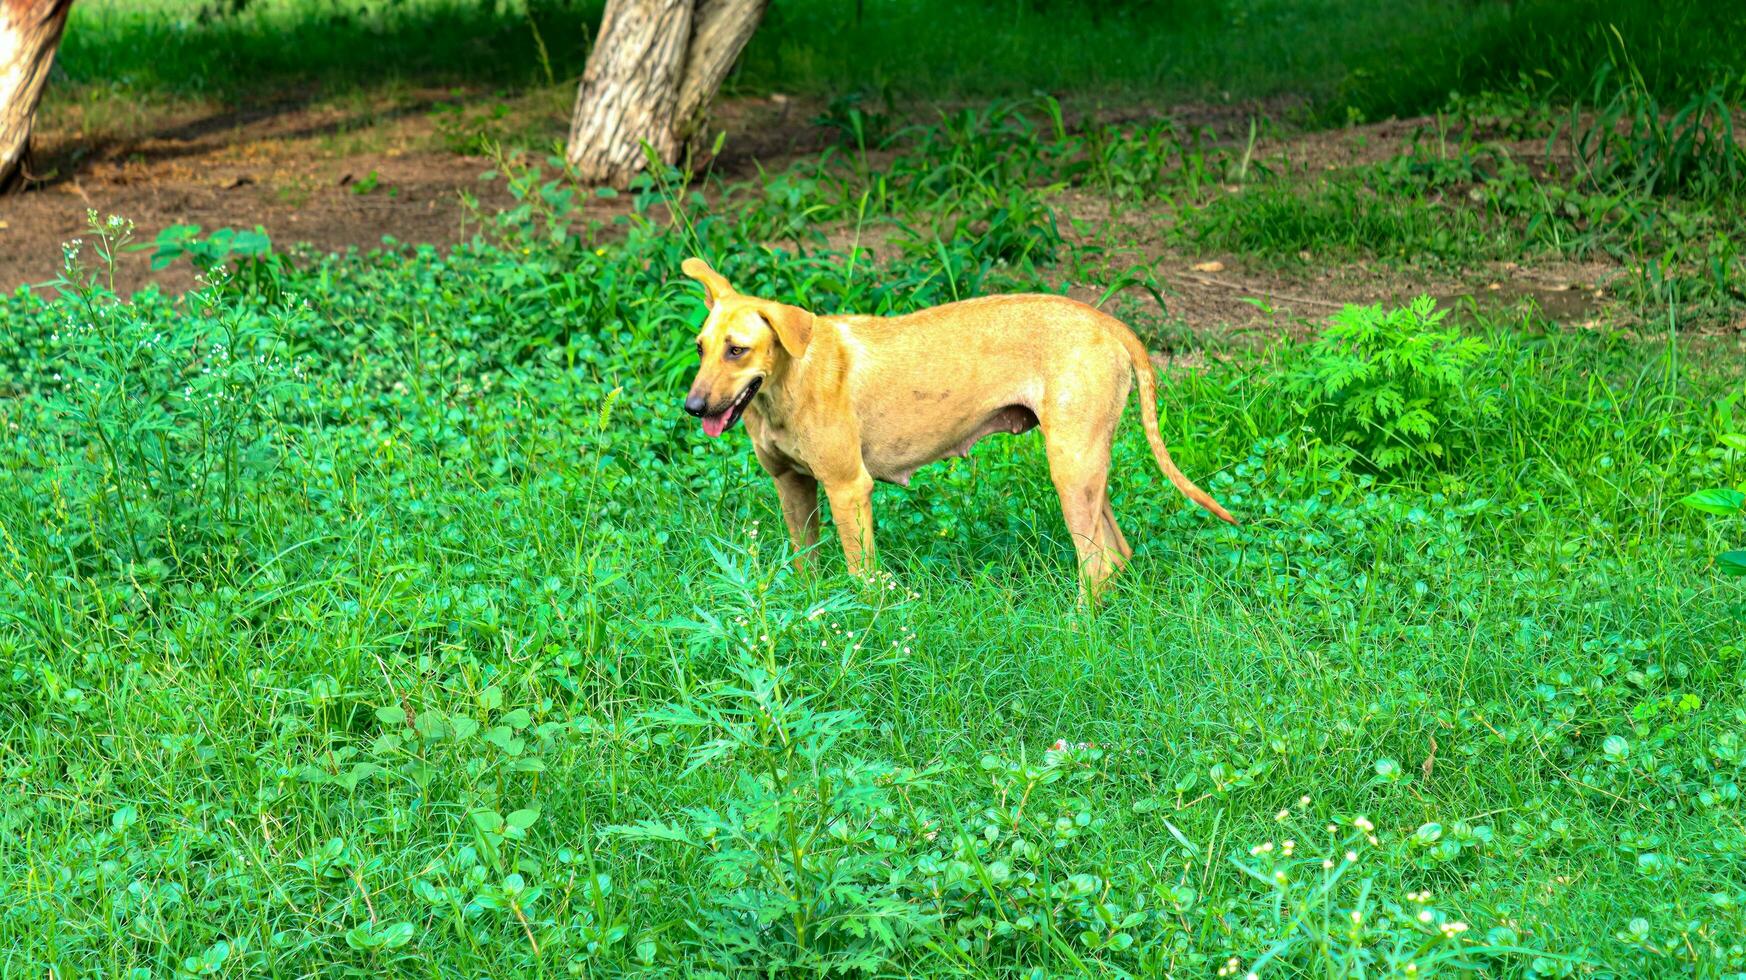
x=382, y=615
x=1371, y=60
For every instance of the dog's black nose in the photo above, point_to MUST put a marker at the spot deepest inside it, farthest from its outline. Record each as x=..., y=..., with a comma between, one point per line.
x=694, y=406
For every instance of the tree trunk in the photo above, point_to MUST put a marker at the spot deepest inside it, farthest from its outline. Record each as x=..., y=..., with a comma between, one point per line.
x=719, y=32
x=30, y=30
x=655, y=67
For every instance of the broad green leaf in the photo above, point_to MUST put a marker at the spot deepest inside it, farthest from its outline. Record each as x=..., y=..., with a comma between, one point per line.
x=1716, y=500
x=432, y=724
x=357, y=774
x=1732, y=562
x=360, y=937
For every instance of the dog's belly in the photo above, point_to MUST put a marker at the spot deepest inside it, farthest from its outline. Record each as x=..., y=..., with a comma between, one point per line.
x=895, y=459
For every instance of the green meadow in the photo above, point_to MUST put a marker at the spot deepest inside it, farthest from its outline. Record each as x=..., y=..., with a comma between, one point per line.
x=381, y=614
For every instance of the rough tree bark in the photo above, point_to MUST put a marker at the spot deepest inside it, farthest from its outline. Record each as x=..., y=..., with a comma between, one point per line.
x=655, y=67
x=30, y=30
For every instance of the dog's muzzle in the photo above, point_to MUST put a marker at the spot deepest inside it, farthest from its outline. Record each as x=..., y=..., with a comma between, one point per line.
x=715, y=423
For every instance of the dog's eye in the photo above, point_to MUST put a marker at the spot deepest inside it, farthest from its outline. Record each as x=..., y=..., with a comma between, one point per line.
x=735, y=353
x=700, y=348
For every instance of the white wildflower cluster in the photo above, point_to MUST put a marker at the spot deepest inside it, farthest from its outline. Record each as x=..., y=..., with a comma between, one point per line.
x=1368, y=828
x=836, y=630
x=905, y=634
x=742, y=634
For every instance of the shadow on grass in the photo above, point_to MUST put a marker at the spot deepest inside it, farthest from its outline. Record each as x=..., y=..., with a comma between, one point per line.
x=312, y=50
x=1376, y=59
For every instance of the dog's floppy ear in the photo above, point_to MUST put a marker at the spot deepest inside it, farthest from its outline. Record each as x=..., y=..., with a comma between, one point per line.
x=792, y=324
x=714, y=286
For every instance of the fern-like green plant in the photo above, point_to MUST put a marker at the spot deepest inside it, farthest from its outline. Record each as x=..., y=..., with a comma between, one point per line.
x=1387, y=383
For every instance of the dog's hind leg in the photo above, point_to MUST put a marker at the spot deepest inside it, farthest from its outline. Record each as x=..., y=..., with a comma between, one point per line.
x=1115, y=532
x=1079, y=467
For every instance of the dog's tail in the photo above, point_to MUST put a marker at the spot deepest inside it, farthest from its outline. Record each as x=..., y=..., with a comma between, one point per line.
x=1149, y=420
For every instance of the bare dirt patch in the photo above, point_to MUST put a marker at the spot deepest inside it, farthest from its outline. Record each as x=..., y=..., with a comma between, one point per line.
x=332, y=177
x=237, y=169
x=344, y=176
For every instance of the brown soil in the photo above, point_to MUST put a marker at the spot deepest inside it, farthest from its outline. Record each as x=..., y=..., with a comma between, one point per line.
x=338, y=179
x=304, y=174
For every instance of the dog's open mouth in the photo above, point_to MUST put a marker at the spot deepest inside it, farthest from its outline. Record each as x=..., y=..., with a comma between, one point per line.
x=716, y=424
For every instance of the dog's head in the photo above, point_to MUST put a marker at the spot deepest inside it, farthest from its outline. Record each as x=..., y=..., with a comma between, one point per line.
x=743, y=342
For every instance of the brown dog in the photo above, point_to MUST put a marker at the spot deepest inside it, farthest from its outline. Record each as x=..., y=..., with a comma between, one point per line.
x=846, y=400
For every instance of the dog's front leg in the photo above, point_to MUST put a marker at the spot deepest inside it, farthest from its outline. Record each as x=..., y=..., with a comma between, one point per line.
x=852, y=509
x=799, y=495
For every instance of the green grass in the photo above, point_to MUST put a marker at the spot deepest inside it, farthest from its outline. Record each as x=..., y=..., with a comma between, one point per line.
x=1339, y=218
x=1370, y=59
x=381, y=614
x=384, y=616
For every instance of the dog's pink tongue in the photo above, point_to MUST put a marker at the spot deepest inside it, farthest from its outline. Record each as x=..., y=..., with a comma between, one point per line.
x=715, y=425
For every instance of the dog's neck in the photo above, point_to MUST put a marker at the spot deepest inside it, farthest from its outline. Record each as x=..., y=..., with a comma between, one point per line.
x=779, y=395
x=796, y=381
